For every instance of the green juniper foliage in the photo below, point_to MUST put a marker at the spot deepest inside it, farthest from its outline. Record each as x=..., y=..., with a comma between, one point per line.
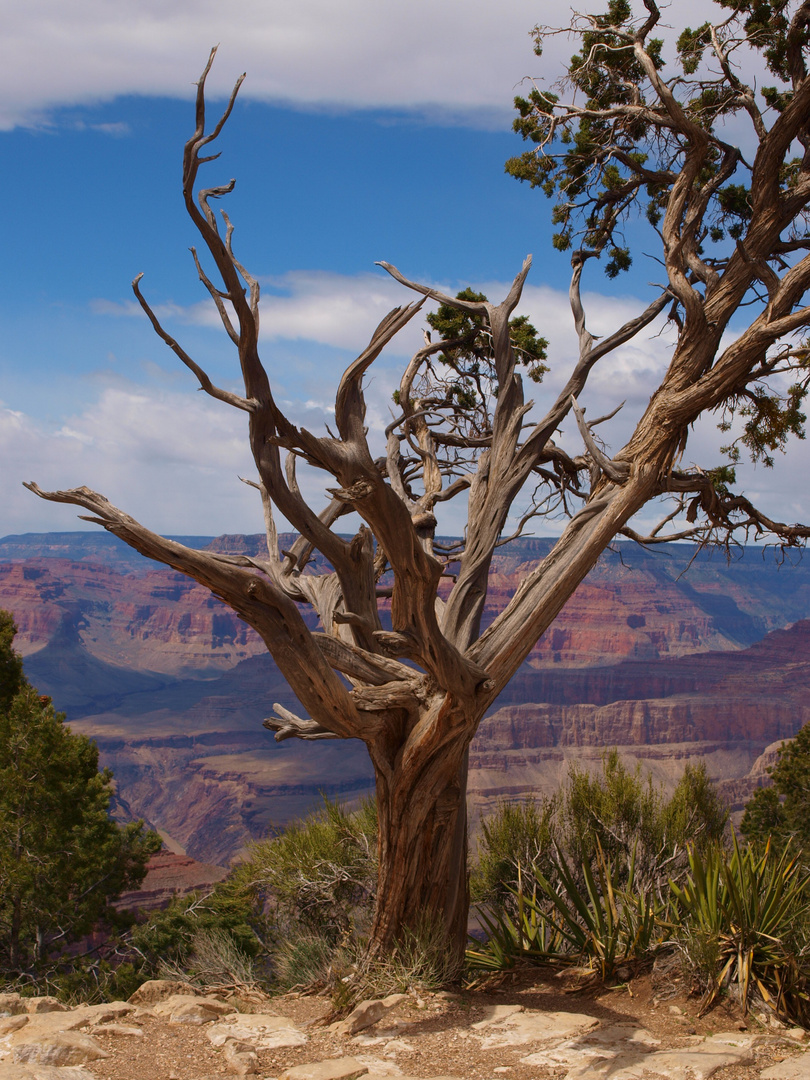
x=615, y=157
x=781, y=811
x=459, y=378
x=468, y=348
x=62, y=858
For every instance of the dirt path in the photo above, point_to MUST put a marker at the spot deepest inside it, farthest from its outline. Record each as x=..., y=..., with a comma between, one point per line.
x=526, y=1028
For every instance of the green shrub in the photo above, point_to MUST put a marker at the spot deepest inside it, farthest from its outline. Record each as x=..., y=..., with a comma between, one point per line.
x=87, y=980
x=421, y=958
x=319, y=875
x=615, y=811
x=584, y=918
x=211, y=938
x=584, y=876
x=741, y=919
x=516, y=837
x=305, y=959
x=781, y=812
x=628, y=817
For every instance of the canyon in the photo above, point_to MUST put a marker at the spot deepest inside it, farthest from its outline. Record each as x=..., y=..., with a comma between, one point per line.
x=671, y=655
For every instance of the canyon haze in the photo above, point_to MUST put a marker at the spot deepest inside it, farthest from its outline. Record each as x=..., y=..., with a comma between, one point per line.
x=668, y=655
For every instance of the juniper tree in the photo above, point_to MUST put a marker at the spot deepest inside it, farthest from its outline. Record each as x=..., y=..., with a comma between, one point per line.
x=637, y=132
x=62, y=858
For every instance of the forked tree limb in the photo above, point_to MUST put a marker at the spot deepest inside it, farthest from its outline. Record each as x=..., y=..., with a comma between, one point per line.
x=254, y=597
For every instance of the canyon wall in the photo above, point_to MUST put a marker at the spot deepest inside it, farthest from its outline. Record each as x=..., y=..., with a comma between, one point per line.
x=712, y=664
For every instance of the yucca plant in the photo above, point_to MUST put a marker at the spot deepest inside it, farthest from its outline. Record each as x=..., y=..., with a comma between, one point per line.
x=605, y=924
x=564, y=921
x=740, y=919
x=531, y=934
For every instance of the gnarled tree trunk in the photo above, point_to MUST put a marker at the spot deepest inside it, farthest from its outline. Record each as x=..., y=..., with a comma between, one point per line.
x=422, y=882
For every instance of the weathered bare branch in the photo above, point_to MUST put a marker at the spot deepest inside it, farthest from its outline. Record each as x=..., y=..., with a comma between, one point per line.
x=246, y=404
x=289, y=726
x=257, y=599
x=618, y=471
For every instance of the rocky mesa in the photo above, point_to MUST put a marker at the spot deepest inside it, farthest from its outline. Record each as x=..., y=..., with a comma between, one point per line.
x=669, y=666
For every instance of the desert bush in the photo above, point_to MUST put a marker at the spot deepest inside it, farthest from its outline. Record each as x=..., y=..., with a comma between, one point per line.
x=615, y=811
x=628, y=818
x=585, y=917
x=319, y=876
x=286, y=916
x=518, y=836
x=584, y=876
x=212, y=938
x=88, y=980
x=307, y=959
x=421, y=958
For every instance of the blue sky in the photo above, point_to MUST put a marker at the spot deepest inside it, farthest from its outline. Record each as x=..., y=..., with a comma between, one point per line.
x=362, y=132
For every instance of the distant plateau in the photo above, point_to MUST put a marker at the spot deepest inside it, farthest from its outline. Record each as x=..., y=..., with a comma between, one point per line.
x=668, y=656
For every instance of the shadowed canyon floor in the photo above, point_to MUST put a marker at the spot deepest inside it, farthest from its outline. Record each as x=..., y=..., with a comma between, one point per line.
x=527, y=1028
x=713, y=664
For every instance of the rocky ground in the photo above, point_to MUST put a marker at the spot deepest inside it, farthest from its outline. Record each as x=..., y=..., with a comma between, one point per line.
x=526, y=1028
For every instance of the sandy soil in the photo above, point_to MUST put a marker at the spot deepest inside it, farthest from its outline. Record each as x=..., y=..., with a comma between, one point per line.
x=435, y=1027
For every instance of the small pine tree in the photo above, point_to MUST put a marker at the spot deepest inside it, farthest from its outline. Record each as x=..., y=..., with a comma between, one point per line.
x=62, y=858
x=781, y=811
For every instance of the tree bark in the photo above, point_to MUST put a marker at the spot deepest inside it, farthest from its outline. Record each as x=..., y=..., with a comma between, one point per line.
x=422, y=883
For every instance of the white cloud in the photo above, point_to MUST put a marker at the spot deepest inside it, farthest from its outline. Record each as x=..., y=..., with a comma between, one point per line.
x=171, y=456
x=339, y=310
x=166, y=458
x=453, y=57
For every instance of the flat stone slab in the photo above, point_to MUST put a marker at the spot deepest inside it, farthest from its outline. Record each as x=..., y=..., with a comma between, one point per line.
x=519, y=1028
x=105, y=1014
x=42, y=1026
x=795, y=1068
x=378, y=1069
x=43, y=1005
x=367, y=1013
x=496, y=1014
x=61, y=1048
x=595, y=1045
x=154, y=990
x=122, y=1030
x=11, y=1004
x=345, y=1068
x=14, y=1071
x=696, y=1062
x=263, y=1031
x=10, y=1024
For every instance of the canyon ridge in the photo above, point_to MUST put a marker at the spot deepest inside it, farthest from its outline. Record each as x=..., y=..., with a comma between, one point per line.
x=669, y=655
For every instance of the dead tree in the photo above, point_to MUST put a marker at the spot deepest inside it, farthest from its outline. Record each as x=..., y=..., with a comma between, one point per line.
x=731, y=231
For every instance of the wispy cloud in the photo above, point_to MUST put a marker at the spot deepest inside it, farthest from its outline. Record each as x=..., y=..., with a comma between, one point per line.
x=303, y=305
x=172, y=457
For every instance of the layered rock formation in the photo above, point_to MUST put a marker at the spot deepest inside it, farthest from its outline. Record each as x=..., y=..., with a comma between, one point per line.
x=174, y=686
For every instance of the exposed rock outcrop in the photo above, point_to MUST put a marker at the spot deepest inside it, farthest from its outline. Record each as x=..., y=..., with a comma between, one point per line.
x=174, y=687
